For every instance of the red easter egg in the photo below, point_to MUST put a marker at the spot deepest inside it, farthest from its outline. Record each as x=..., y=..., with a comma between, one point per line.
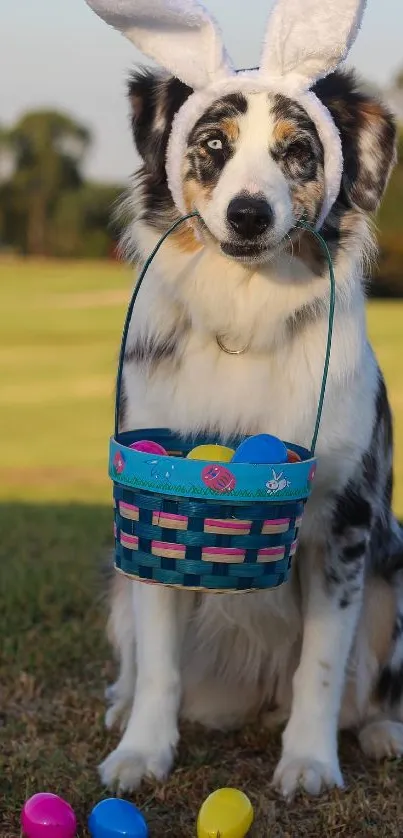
x=292, y=456
x=218, y=478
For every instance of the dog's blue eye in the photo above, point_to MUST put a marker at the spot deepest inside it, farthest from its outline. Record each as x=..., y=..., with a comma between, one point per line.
x=215, y=144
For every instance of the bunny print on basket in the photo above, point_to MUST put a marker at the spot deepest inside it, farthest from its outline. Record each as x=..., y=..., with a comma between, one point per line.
x=157, y=471
x=277, y=483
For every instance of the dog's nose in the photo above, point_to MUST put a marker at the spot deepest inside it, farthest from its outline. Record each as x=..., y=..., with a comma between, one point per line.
x=249, y=217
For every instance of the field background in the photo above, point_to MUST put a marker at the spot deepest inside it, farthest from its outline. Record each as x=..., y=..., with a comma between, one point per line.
x=59, y=332
x=60, y=326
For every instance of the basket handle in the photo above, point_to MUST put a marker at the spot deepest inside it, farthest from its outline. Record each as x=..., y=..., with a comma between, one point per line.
x=302, y=224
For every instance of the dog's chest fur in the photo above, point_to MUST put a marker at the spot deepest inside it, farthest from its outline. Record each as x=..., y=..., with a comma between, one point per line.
x=178, y=377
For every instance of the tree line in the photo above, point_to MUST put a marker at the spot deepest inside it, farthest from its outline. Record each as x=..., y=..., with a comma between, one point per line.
x=48, y=208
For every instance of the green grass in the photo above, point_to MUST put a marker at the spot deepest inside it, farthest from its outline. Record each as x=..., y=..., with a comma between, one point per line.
x=60, y=326
x=59, y=333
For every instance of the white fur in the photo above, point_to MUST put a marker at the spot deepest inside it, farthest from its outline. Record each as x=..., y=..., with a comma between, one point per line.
x=248, y=83
x=253, y=170
x=310, y=40
x=179, y=34
x=303, y=44
x=149, y=741
x=239, y=652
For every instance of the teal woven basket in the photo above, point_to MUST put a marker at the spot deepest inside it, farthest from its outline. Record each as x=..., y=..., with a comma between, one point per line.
x=206, y=526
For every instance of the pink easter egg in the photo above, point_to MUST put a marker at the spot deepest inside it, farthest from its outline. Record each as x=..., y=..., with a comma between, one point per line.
x=46, y=815
x=147, y=446
x=218, y=478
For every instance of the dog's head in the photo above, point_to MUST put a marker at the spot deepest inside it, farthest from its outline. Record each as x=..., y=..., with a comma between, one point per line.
x=254, y=162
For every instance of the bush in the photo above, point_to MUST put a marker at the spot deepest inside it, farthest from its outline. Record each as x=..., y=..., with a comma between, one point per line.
x=388, y=279
x=81, y=226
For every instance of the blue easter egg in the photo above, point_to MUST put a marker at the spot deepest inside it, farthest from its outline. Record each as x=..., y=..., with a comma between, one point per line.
x=114, y=818
x=262, y=448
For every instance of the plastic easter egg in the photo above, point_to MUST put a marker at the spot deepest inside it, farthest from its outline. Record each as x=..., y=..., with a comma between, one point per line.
x=147, y=446
x=292, y=456
x=115, y=818
x=47, y=815
x=218, y=478
x=227, y=813
x=212, y=453
x=262, y=448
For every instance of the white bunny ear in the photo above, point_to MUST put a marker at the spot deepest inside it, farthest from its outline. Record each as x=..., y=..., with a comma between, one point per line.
x=179, y=35
x=308, y=39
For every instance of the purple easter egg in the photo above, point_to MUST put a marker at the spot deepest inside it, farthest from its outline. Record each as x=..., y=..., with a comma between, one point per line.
x=147, y=446
x=46, y=815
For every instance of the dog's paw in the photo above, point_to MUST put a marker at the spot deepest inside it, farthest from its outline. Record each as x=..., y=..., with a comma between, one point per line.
x=125, y=768
x=305, y=774
x=382, y=739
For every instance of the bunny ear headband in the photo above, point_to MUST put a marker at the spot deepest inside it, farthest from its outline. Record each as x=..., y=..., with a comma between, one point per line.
x=305, y=41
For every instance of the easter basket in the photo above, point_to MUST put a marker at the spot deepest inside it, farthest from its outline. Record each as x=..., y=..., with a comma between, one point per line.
x=207, y=526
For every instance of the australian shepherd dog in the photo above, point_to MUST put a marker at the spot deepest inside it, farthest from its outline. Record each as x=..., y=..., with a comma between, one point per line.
x=324, y=651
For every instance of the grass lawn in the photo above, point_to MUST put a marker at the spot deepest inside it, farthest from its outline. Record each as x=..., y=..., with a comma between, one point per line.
x=59, y=331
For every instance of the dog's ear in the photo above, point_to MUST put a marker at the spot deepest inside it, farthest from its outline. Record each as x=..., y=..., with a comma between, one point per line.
x=154, y=100
x=368, y=136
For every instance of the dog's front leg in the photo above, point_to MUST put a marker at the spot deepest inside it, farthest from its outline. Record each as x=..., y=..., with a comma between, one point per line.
x=148, y=744
x=332, y=596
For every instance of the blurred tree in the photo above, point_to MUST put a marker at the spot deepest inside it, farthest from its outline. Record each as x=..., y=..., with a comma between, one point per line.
x=5, y=170
x=81, y=225
x=388, y=280
x=47, y=149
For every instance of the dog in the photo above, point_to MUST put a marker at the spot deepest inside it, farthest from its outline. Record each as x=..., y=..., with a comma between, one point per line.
x=325, y=650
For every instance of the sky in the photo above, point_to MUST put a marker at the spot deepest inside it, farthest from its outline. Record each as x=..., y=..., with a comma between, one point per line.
x=58, y=54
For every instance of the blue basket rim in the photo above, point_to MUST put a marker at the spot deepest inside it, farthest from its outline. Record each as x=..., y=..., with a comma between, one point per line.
x=177, y=476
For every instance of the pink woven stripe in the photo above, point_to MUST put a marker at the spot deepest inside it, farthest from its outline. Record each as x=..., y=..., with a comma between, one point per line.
x=168, y=550
x=270, y=554
x=127, y=510
x=229, y=555
x=166, y=545
x=130, y=541
x=229, y=523
x=171, y=517
x=167, y=519
x=275, y=527
x=277, y=522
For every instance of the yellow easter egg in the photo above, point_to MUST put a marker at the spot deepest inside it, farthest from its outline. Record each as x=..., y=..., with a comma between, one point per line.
x=227, y=813
x=212, y=453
